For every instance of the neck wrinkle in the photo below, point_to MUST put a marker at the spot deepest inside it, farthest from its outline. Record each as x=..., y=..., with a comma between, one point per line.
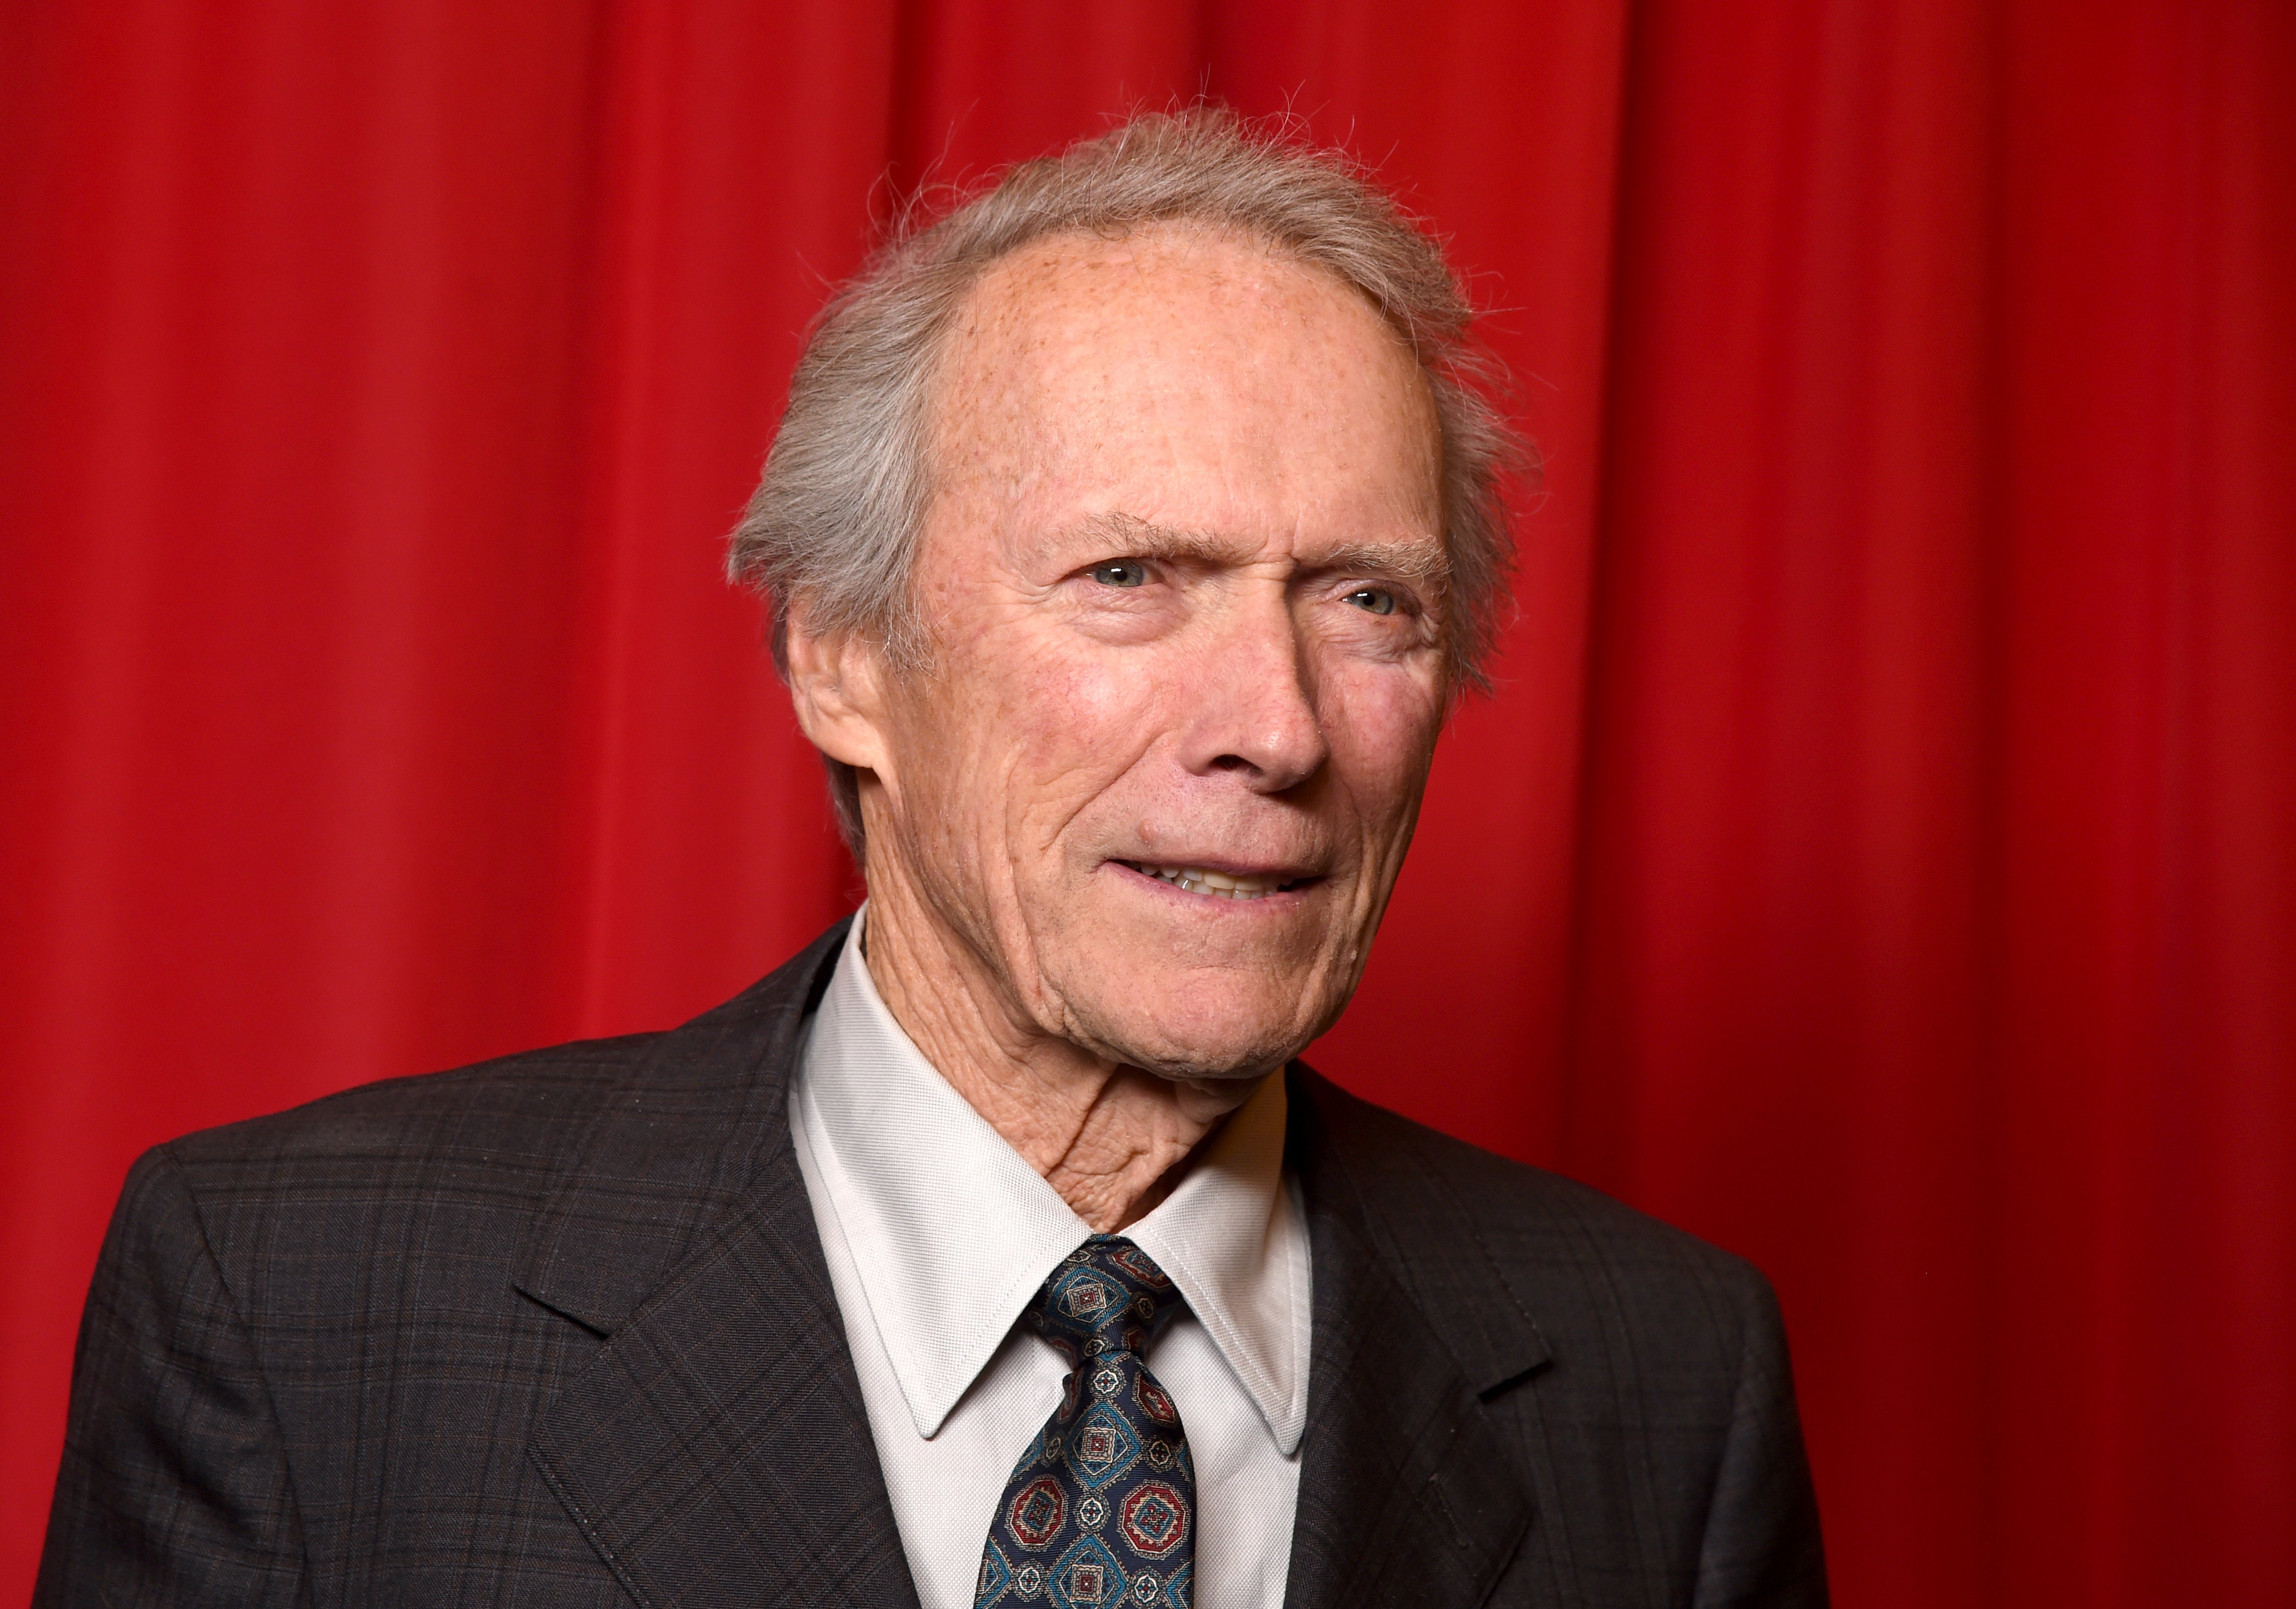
x=1111, y=1139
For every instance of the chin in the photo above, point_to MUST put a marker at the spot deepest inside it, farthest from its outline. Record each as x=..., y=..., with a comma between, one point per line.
x=1189, y=1031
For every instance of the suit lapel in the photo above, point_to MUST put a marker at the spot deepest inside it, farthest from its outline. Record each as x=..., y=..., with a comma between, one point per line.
x=715, y=1449
x=1407, y=1495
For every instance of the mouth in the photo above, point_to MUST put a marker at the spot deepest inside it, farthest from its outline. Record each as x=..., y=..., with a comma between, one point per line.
x=1219, y=884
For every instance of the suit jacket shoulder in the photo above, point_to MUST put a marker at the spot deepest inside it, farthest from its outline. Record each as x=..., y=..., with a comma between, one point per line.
x=1502, y=1250
x=1636, y=1375
x=285, y=1308
x=334, y=1354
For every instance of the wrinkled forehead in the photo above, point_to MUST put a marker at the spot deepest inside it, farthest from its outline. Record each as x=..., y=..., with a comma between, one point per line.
x=1079, y=347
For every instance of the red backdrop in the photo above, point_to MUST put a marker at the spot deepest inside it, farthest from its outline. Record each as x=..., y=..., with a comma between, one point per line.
x=1881, y=857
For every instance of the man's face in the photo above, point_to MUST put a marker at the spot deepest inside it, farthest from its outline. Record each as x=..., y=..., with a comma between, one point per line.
x=1184, y=581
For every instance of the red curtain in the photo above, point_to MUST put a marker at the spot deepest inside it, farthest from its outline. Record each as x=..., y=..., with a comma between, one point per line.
x=1880, y=857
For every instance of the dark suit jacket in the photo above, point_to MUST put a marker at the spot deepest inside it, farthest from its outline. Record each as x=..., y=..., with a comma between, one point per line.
x=556, y=1330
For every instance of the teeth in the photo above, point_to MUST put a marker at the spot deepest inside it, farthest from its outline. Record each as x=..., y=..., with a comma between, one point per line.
x=1227, y=885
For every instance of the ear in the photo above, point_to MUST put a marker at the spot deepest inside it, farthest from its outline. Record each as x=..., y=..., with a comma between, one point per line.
x=836, y=685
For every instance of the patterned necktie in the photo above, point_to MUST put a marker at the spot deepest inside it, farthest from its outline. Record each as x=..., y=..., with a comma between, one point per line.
x=1102, y=1507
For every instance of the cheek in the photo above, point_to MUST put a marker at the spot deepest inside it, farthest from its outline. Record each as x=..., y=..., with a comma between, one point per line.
x=1382, y=726
x=1053, y=725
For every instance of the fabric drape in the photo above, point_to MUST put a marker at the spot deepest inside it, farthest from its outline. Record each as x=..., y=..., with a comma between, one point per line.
x=1880, y=855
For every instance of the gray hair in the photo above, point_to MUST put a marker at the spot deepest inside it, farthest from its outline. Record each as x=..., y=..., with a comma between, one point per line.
x=834, y=522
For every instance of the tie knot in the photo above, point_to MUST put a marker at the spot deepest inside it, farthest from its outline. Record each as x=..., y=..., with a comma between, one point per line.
x=1108, y=1295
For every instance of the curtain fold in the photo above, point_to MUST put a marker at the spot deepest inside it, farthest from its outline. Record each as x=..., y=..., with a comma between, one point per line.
x=1880, y=857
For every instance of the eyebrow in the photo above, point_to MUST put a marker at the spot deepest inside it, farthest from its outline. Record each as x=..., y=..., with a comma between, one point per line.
x=1420, y=560
x=1423, y=560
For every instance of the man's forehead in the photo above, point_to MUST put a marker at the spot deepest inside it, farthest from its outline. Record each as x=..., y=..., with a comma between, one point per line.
x=1175, y=413
x=1169, y=259
x=1077, y=285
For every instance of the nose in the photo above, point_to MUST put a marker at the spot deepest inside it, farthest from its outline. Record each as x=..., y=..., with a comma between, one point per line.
x=1256, y=705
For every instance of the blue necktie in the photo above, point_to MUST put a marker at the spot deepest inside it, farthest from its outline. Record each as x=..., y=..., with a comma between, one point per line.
x=1102, y=1507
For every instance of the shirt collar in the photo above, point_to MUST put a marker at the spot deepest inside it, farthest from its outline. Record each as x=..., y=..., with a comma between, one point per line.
x=951, y=1231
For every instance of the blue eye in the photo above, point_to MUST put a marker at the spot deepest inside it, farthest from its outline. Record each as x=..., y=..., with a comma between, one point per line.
x=1373, y=600
x=1120, y=572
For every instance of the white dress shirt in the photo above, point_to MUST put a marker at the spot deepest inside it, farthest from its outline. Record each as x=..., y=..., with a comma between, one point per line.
x=938, y=1235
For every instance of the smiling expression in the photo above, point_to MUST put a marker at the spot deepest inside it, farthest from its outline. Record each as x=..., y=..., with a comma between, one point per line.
x=1183, y=584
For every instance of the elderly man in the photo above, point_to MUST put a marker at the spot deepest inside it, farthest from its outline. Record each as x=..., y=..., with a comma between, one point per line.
x=1129, y=533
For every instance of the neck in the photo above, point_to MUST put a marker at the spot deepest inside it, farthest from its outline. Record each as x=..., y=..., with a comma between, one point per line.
x=1110, y=1137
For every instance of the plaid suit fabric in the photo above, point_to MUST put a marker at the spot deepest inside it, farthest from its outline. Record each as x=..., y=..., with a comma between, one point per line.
x=556, y=1330
x=1578, y=1405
